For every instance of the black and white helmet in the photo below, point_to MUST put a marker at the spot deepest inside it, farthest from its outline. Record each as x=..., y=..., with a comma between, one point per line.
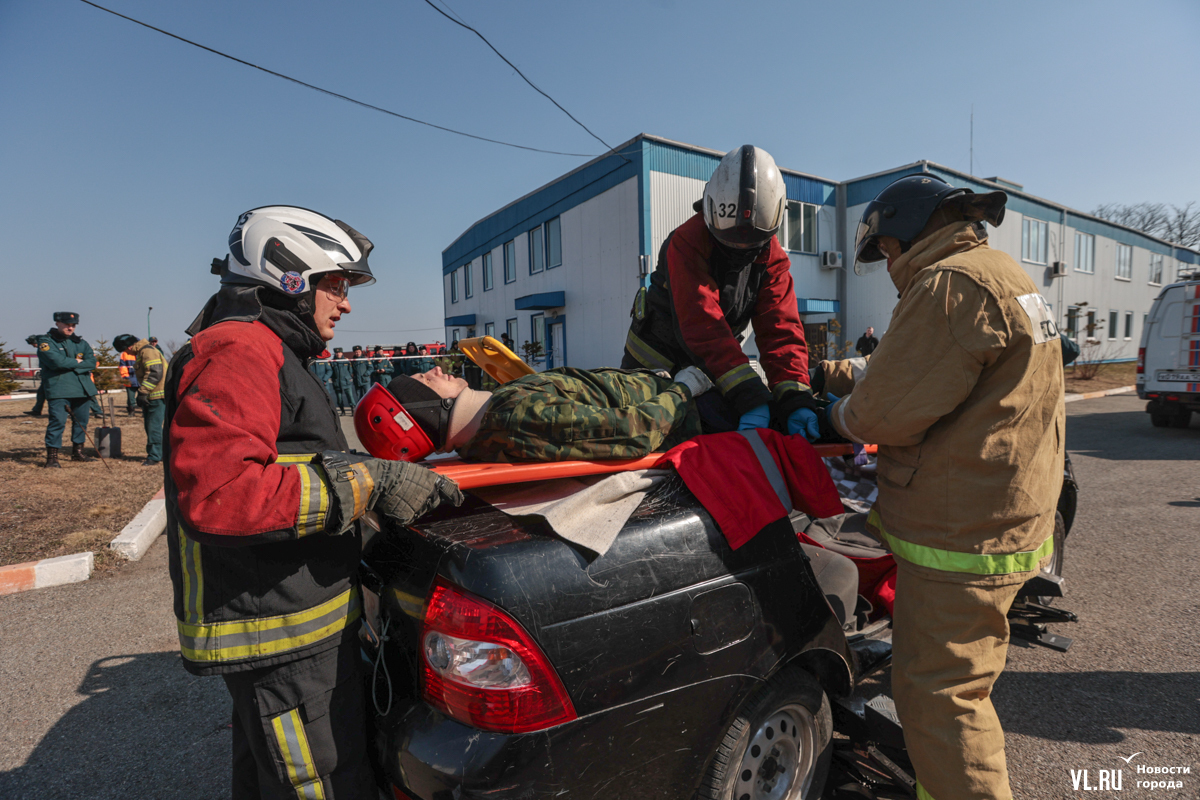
x=744, y=199
x=289, y=248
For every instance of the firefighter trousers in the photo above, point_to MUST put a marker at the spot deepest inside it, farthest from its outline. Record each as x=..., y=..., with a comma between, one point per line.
x=299, y=729
x=949, y=644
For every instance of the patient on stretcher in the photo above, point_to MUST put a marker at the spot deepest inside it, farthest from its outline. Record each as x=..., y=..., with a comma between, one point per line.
x=563, y=414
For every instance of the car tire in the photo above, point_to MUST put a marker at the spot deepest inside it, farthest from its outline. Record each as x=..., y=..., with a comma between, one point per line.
x=1055, y=567
x=1181, y=418
x=1160, y=420
x=778, y=746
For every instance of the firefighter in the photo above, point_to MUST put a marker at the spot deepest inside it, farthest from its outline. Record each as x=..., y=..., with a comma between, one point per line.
x=149, y=371
x=343, y=382
x=964, y=397
x=128, y=372
x=264, y=503
x=66, y=361
x=361, y=371
x=718, y=273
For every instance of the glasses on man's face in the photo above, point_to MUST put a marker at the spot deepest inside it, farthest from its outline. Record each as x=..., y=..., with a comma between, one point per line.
x=336, y=286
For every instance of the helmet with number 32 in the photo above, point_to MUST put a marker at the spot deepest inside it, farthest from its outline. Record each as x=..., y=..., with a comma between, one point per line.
x=744, y=200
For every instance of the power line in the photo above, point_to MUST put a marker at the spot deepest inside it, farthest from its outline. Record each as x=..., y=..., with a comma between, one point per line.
x=462, y=24
x=335, y=94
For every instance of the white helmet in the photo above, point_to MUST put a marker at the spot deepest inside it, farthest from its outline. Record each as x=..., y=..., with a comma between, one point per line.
x=288, y=248
x=744, y=199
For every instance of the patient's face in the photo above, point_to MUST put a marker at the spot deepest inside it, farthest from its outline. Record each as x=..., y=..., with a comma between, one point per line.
x=446, y=386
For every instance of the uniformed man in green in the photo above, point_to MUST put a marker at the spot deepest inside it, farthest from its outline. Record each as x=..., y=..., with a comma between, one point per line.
x=67, y=362
x=40, y=398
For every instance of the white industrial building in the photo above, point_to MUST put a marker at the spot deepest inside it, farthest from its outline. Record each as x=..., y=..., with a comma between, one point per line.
x=561, y=265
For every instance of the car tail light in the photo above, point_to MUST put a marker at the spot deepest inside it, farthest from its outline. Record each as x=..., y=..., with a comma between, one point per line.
x=1174, y=398
x=1152, y=395
x=479, y=666
x=1141, y=365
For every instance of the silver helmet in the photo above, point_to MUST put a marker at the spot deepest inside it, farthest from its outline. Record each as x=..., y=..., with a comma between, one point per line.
x=744, y=199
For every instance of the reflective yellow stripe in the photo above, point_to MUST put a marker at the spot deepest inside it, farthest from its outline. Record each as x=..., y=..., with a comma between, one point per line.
x=192, y=569
x=297, y=756
x=646, y=355
x=294, y=458
x=314, y=501
x=953, y=561
x=362, y=484
x=784, y=387
x=736, y=376
x=410, y=604
x=922, y=794
x=239, y=639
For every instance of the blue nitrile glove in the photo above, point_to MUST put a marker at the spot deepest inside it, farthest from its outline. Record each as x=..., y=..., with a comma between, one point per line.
x=803, y=422
x=757, y=417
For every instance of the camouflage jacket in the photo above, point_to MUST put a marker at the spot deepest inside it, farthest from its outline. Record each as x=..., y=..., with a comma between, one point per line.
x=568, y=414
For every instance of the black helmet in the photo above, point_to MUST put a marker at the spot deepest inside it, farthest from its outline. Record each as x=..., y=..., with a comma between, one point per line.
x=123, y=341
x=904, y=207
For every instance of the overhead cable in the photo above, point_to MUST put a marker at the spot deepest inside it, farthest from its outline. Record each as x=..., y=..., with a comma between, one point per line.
x=536, y=88
x=335, y=94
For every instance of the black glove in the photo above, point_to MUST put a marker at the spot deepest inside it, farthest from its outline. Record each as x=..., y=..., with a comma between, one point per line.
x=397, y=489
x=143, y=400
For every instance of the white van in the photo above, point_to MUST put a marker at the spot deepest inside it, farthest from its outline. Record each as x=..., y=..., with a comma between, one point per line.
x=1168, y=368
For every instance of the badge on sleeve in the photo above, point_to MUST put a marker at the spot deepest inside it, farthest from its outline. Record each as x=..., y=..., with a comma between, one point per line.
x=1040, y=318
x=44, y=346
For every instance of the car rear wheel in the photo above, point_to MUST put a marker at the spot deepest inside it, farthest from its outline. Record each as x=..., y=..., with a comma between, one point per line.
x=778, y=747
x=1181, y=418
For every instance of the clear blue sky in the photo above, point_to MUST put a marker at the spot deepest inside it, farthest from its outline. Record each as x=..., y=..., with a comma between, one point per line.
x=127, y=156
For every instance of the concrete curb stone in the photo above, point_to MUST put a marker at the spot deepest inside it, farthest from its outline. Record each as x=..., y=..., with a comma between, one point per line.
x=1071, y=398
x=136, y=537
x=47, y=572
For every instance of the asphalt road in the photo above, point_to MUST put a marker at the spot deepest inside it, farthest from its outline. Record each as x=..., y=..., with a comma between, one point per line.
x=95, y=704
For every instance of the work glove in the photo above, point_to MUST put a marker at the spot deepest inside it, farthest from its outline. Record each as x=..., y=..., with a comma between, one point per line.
x=803, y=422
x=399, y=490
x=757, y=417
x=143, y=400
x=694, y=379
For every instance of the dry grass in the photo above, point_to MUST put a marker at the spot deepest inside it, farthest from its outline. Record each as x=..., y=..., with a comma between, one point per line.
x=56, y=512
x=1108, y=376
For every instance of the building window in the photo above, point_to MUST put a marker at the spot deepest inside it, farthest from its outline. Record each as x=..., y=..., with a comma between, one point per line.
x=554, y=243
x=537, y=328
x=536, y=245
x=1085, y=252
x=510, y=327
x=1125, y=261
x=1112, y=325
x=799, y=229
x=1091, y=324
x=487, y=272
x=1035, y=238
x=454, y=286
x=1156, y=268
x=489, y=329
x=468, y=289
x=1128, y=325
x=1073, y=322
x=510, y=262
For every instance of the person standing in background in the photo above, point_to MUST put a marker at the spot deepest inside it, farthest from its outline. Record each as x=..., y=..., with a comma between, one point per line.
x=322, y=370
x=40, y=399
x=362, y=373
x=867, y=343
x=381, y=367
x=343, y=382
x=150, y=370
x=67, y=362
x=128, y=372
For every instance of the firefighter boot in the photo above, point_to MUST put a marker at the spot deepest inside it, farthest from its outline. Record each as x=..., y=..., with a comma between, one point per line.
x=77, y=453
x=52, y=458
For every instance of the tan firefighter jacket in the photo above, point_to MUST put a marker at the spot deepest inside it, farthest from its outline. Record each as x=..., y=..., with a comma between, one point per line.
x=964, y=397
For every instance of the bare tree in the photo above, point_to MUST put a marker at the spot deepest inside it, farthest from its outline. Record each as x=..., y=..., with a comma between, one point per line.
x=1173, y=223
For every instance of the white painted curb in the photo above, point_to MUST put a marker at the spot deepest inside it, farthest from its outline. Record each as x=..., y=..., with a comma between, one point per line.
x=1071, y=398
x=136, y=537
x=64, y=569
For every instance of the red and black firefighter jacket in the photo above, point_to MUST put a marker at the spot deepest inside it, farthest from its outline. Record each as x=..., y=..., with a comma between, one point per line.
x=257, y=579
x=697, y=308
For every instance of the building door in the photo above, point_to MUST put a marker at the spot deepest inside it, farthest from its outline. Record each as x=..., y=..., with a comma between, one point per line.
x=556, y=344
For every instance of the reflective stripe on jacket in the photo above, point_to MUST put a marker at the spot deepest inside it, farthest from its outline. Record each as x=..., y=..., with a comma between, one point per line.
x=257, y=578
x=964, y=397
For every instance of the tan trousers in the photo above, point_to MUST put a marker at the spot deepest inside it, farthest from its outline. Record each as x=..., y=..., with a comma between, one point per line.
x=948, y=647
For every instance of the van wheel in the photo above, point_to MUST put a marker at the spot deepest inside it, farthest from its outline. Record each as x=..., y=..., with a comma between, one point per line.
x=779, y=745
x=1160, y=420
x=1181, y=418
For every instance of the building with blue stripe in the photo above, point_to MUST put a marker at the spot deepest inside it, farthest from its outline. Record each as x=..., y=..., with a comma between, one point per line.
x=560, y=266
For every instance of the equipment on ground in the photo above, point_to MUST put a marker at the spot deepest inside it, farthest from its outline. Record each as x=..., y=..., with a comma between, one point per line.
x=108, y=437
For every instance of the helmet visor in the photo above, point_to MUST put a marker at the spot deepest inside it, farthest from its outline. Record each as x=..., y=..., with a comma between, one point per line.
x=868, y=257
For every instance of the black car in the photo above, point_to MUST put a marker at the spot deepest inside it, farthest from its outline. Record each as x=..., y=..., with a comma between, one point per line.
x=512, y=666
